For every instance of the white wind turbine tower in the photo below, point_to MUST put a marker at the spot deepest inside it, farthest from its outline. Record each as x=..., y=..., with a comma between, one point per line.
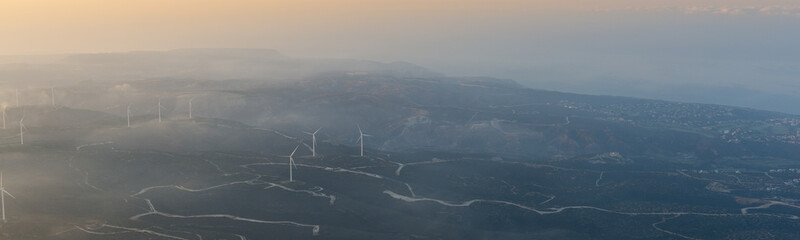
x=3, y=192
x=291, y=163
x=21, y=132
x=159, y=110
x=190, y=108
x=313, y=142
x=129, y=115
x=361, y=136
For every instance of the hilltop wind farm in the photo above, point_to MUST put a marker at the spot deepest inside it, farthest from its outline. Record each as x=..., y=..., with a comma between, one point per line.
x=444, y=158
x=399, y=120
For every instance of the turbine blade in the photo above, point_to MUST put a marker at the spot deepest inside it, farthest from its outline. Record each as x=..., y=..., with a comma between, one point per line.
x=359, y=140
x=367, y=135
x=295, y=150
x=359, y=128
x=9, y=194
x=315, y=132
x=308, y=133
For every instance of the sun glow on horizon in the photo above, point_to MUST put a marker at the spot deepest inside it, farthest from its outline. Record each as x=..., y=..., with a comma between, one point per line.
x=55, y=26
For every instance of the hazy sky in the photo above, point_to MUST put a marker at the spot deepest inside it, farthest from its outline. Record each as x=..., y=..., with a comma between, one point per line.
x=313, y=27
x=686, y=50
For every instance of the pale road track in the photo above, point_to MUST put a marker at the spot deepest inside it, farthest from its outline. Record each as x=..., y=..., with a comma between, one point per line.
x=549, y=197
x=770, y=204
x=561, y=209
x=224, y=173
x=254, y=181
x=332, y=198
x=400, y=166
x=248, y=182
x=277, y=133
x=153, y=211
x=127, y=230
x=432, y=161
x=665, y=219
x=413, y=198
x=78, y=148
x=85, y=176
x=411, y=190
x=330, y=169
x=548, y=200
x=513, y=188
x=597, y=183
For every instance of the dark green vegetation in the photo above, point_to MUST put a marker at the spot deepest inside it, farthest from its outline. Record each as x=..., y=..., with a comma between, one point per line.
x=449, y=158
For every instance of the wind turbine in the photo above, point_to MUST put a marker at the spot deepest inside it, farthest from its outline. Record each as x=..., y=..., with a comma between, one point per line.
x=4, y=117
x=190, y=108
x=159, y=110
x=291, y=163
x=361, y=136
x=21, y=132
x=129, y=115
x=3, y=192
x=313, y=142
x=16, y=93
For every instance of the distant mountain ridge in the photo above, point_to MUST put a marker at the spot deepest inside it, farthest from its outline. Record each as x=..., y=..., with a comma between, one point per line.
x=197, y=64
x=406, y=107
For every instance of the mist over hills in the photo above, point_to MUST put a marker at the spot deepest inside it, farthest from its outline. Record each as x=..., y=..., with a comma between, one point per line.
x=445, y=157
x=196, y=64
x=405, y=107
